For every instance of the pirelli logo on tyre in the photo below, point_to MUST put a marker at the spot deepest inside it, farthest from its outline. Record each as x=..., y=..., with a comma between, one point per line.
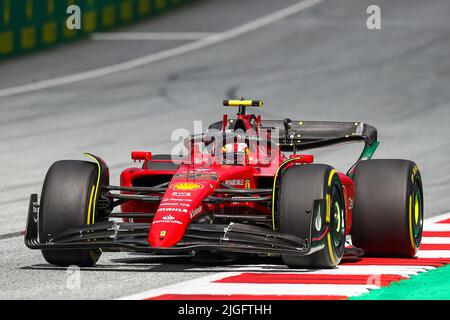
x=414, y=173
x=187, y=186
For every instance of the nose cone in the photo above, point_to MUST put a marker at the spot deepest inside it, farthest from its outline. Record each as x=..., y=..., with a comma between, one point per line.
x=178, y=207
x=165, y=235
x=181, y=204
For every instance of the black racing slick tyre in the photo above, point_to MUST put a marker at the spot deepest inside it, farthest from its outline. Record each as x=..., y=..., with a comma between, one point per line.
x=301, y=189
x=67, y=202
x=388, y=210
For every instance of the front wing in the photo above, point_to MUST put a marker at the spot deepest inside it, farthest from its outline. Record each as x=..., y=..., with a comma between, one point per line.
x=122, y=236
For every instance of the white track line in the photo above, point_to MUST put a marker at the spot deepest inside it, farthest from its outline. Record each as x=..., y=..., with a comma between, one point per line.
x=147, y=36
x=347, y=269
x=269, y=289
x=436, y=240
x=162, y=55
x=205, y=285
x=433, y=254
x=194, y=282
x=437, y=218
x=436, y=226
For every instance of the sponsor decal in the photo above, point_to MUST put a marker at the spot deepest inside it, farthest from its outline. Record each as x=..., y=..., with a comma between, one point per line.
x=174, y=204
x=235, y=182
x=208, y=170
x=167, y=221
x=177, y=200
x=172, y=210
x=188, y=186
x=196, y=212
x=238, y=183
x=168, y=217
x=162, y=234
x=182, y=194
x=167, y=204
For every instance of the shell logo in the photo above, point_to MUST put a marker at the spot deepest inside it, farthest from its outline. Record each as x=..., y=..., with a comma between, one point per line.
x=187, y=186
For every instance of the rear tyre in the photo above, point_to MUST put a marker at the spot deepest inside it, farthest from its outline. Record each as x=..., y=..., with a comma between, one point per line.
x=300, y=188
x=67, y=202
x=388, y=211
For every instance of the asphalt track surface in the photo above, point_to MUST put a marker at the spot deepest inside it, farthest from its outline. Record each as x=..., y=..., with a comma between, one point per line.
x=320, y=63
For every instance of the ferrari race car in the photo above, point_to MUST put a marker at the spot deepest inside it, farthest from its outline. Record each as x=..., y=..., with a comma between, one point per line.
x=245, y=186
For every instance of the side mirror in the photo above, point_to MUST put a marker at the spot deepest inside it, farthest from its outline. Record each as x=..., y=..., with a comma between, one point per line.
x=141, y=156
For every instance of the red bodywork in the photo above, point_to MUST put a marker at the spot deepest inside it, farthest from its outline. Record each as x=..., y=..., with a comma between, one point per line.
x=194, y=180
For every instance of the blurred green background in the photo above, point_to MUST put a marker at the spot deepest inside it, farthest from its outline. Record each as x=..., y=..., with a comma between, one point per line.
x=28, y=25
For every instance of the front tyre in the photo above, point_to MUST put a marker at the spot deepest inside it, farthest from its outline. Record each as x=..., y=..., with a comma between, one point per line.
x=67, y=202
x=301, y=188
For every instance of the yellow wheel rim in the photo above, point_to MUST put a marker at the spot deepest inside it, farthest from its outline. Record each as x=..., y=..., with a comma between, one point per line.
x=338, y=218
x=416, y=209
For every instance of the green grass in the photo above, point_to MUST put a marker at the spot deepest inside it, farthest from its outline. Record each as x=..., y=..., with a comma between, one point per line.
x=431, y=285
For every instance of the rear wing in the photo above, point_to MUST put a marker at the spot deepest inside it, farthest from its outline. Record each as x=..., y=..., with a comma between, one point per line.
x=296, y=135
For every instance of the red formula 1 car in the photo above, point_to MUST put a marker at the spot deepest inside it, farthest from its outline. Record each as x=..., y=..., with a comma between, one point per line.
x=244, y=186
